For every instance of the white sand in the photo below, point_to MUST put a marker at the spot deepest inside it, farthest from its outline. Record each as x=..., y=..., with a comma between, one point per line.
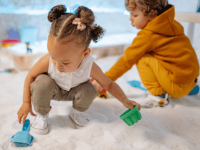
x=174, y=127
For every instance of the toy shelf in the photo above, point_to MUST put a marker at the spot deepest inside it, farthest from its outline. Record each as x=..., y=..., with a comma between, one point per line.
x=192, y=18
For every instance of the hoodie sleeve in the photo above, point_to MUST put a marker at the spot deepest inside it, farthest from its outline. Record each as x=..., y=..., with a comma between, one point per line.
x=140, y=45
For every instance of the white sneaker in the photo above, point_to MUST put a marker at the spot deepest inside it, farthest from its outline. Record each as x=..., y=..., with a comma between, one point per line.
x=40, y=124
x=154, y=101
x=78, y=118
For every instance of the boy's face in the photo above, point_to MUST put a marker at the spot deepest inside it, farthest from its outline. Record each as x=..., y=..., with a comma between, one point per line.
x=138, y=19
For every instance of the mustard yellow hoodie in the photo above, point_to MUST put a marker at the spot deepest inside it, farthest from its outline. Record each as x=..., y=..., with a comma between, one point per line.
x=163, y=38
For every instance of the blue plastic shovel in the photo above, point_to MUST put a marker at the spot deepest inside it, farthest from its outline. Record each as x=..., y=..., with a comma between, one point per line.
x=136, y=84
x=23, y=138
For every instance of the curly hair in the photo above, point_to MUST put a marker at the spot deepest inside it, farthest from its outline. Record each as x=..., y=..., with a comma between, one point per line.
x=62, y=26
x=150, y=8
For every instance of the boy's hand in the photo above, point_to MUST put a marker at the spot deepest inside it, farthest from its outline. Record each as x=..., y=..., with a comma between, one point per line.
x=23, y=112
x=130, y=104
x=97, y=86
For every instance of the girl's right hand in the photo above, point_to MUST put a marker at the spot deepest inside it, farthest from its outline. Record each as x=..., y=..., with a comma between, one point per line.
x=97, y=86
x=23, y=112
x=130, y=104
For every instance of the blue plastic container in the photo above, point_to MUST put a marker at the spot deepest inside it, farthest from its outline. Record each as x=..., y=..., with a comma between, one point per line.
x=198, y=6
x=28, y=34
x=194, y=91
x=23, y=138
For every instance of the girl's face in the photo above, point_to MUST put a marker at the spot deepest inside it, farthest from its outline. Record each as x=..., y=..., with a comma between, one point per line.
x=66, y=57
x=138, y=19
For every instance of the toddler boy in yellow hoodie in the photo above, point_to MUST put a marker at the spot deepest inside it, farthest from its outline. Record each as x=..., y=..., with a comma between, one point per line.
x=165, y=58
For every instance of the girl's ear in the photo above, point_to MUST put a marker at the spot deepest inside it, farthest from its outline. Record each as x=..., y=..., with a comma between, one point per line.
x=87, y=52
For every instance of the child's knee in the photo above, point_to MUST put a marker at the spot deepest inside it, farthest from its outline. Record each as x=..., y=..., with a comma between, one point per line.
x=43, y=110
x=86, y=89
x=41, y=83
x=145, y=59
x=84, y=95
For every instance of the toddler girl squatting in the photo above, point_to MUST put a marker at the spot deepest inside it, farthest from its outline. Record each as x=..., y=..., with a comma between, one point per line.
x=63, y=74
x=165, y=59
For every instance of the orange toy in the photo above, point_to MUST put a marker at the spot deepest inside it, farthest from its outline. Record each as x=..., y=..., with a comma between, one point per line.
x=9, y=42
x=27, y=48
x=102, y=94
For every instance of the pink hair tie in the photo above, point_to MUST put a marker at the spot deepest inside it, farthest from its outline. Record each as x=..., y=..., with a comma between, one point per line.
x=80, y=26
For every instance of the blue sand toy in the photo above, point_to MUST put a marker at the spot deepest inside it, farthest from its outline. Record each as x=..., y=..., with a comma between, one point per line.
x=194, y=91
x=13, y=34
x=5, y=71
x=136, y=84
x=23, y=138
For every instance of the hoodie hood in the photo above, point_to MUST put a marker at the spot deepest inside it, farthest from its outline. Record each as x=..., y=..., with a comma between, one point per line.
x=165, y=24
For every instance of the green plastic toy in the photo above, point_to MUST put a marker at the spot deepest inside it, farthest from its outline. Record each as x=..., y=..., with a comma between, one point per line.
x=131, y=116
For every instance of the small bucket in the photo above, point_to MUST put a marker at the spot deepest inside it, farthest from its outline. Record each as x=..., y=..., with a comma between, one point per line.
x=131, y=116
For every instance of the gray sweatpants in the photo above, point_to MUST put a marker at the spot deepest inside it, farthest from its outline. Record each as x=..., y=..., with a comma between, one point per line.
x=44, y=89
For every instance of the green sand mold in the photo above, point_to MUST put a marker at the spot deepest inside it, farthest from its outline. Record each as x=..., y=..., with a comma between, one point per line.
x=131, y=116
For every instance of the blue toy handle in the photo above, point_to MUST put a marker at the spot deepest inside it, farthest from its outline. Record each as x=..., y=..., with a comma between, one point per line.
x=5, y=71
x=142, y=88
x=136, y=84
x=12, y=138
x=26, y=125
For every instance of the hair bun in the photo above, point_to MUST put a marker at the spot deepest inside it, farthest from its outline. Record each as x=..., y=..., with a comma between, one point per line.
x=56, y=12
x=97, y=32
x=86, y=15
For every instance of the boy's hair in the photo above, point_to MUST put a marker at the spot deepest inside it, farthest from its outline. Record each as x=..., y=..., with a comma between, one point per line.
x=150, y=8
x=62, y=26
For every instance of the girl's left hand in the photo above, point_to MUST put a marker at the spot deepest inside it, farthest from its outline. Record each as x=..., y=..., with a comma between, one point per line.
x=130, y=104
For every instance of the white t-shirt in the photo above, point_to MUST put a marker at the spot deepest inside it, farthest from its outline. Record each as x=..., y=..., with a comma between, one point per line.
x=68, y=80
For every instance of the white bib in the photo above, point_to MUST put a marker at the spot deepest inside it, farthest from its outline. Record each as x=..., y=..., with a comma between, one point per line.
x=68, y=80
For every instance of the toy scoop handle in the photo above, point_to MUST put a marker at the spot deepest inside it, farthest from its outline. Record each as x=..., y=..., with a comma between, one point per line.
x=26, y=125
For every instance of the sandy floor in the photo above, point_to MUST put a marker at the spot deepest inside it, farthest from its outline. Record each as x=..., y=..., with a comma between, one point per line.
x=174, y=127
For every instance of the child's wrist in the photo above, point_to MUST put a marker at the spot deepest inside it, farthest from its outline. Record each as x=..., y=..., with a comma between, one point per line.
x=123, y=100
x=28, y=103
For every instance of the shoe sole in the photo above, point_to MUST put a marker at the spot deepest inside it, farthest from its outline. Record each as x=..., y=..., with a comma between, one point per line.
x=74, y=122
x=159, y=105
x=39, y=131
